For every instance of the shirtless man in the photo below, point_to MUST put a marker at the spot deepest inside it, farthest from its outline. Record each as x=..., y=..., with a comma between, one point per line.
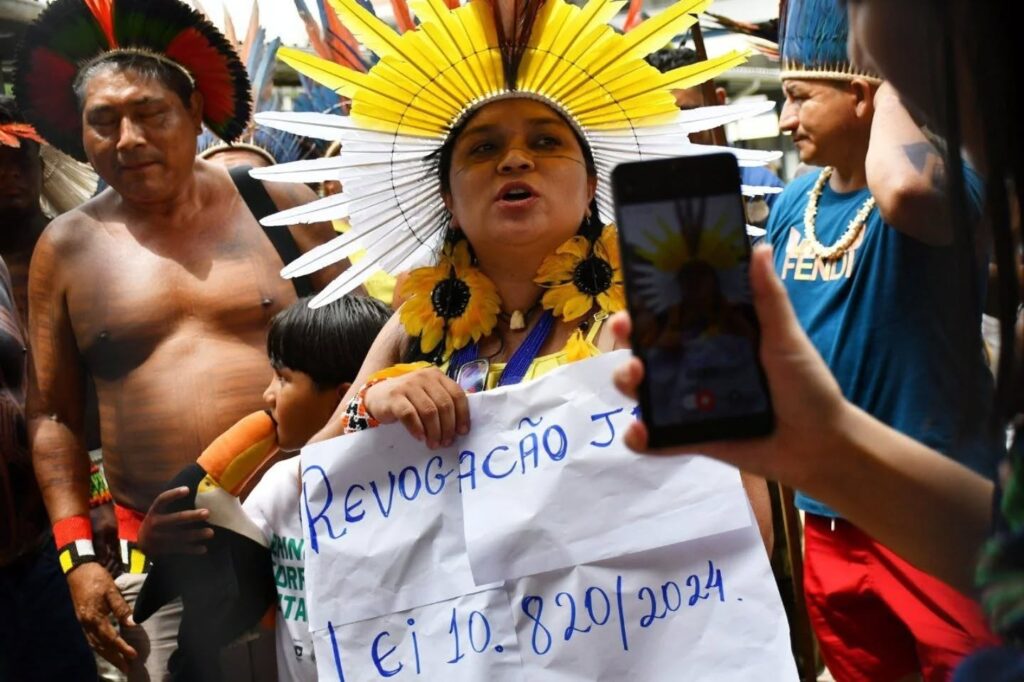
x=161, y=288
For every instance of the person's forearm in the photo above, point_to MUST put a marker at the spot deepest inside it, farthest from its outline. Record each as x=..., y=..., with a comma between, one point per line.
x=62, y=468
x=924, y=506
x=906, y=173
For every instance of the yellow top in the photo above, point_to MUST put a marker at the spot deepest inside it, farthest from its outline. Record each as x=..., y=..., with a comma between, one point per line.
x=546, y=363
x=578, y=347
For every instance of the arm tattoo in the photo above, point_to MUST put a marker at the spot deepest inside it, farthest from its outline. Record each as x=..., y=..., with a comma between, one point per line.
x=927, y=161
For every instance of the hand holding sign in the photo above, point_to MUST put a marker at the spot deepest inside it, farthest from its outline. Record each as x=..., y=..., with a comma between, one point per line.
x=430, y=405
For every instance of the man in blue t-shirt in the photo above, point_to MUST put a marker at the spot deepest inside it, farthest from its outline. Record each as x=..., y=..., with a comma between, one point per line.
x=892, y=301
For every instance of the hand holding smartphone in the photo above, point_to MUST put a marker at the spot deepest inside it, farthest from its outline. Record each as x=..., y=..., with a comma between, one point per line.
x=686, y=258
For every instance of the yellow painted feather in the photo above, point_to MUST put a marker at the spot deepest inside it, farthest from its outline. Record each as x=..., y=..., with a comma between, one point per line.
x=392, y=73
x=541, y=56
x=695, y=74
x=341, y=79
x=581, y=33
x=646, y=79
x=574, y=73
x=378, y=36
x=650, y=35
x=649, y=115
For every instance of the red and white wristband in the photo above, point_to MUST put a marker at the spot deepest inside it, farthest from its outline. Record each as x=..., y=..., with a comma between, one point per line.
x=73, y=537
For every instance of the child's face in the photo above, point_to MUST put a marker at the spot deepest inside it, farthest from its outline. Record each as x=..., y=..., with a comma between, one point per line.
x=298, y=406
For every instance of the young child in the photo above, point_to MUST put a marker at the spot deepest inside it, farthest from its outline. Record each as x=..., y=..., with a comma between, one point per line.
x=315, y=355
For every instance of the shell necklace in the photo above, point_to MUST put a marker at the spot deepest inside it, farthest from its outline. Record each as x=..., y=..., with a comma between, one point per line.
x=833, y=252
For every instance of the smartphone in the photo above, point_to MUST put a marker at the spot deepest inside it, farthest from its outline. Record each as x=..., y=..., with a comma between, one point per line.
x=686, y=258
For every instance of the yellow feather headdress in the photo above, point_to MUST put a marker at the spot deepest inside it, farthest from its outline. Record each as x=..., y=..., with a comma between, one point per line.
x=430, y=79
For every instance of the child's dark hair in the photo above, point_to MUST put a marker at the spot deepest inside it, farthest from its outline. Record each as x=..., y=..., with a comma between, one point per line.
x=327, y=343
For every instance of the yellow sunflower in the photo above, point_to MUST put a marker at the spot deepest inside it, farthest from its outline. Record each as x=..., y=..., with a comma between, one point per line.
x=452, y=302
x=578, y=272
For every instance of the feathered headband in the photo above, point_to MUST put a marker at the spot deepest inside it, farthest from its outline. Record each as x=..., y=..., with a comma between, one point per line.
x=71, y=35
x=814, y=36
x=430, y=79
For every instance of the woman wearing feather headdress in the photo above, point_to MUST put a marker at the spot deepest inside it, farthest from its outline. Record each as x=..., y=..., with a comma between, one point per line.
x=484, y=139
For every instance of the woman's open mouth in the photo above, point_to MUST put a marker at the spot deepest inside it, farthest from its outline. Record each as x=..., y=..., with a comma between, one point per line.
x=516, y=195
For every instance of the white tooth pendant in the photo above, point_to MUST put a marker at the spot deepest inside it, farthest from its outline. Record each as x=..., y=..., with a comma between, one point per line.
x=517, y=322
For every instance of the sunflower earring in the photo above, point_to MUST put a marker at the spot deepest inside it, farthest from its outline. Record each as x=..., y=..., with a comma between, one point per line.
x=581, y=271
x=452, y=302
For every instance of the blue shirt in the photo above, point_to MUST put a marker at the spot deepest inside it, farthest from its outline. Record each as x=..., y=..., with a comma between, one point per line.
x=896, y=321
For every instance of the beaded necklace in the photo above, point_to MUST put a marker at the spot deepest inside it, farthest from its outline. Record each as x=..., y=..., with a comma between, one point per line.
x=844, y=242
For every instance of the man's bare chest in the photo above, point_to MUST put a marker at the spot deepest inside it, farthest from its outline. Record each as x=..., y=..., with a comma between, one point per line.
x=137, y=295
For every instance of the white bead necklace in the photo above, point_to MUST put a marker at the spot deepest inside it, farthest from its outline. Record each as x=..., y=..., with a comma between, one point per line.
x=811, y=213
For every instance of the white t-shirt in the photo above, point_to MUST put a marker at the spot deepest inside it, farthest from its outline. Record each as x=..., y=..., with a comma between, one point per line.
x=274, y=505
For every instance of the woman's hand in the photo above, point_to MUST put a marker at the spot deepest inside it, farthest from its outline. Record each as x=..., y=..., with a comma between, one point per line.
x=430, y=405
x=809, y=406
x=181, y=532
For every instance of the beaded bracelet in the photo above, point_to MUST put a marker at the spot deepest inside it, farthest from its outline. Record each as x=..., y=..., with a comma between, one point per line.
x=356, y=418
x=73, y=537
x=99, y=494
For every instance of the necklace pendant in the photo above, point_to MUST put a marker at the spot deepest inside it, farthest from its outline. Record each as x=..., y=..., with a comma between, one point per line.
x=517, y=322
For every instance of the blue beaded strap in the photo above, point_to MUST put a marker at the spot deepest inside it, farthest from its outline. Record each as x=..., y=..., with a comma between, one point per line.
x=520, y=361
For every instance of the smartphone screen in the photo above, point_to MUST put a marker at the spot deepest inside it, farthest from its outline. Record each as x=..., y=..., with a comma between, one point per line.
x=686, y=259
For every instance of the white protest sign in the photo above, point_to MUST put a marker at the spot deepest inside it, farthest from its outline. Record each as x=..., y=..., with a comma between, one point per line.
x=391, y=595
x=383, y=527
x=548, y=483
x=694, y=611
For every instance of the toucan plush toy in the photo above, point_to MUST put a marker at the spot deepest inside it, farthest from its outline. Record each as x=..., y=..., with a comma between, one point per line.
x=227, y=590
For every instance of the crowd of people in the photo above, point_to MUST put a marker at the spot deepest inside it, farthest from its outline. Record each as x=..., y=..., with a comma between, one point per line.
x=150, y=324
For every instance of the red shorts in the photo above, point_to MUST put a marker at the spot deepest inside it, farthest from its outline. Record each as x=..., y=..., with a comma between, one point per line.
x=876, y=617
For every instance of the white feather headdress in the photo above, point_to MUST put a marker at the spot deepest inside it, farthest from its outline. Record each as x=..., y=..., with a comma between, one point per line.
x=429, y=80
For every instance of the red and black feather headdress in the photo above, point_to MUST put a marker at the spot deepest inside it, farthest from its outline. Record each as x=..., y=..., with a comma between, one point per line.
x=70, y=35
